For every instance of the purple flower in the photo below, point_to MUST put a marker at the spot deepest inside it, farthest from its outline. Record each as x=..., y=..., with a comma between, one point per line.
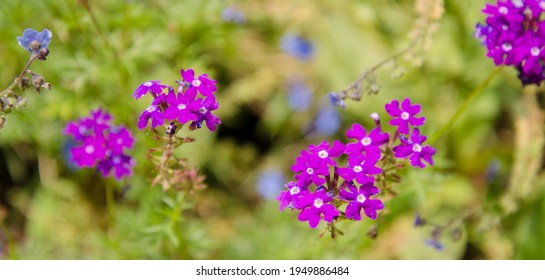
x=233, y=14
x=314, y=205
x=204, y=113
x=414, y=150
x=297, y=46
x=312, y=169
x=31, y=36
x=120, y=163
x=335, y=99
x=360, y=199
x=202, y=84
x=359, y=168
x=154, y=87
x=154, y=112
x=89, y=152
x=181, y=107
x=432, y=242
x=120, y=138
x=326, y=153
x=514, y=35
x=370, y=143
x=405, y=115
x=290, y=197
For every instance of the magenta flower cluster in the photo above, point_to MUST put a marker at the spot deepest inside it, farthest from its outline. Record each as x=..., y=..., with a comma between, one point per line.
x=514, y=35
x=319, y=166
x=100, y=144
x=182, y=105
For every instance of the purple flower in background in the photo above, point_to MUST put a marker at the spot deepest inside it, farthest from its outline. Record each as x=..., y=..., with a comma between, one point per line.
x=299, y=95
x=328, y=121
x=414, y=150
x=290, y=197
x=297, y=46
x=233, y=14
x=202, y=84
x=34, y=41
x=98, y=143
x=435, y=244
x=314, y=205
x=370, y=143
x=360, y=199
x=336, y=100
x=269, y=183
x=405, y=115
x=150, y=86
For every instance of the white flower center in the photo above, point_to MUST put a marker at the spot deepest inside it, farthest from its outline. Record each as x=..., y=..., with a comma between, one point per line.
x=535, y=51
x=196, y=83
x=310, y=171
x=148, y=84
x=506, y=47
x=318, y=202
x=417, y=148
x=405, y=116
x=151, y=108
x=503, y=10
x=203, y=110
x=323, y=154
x=361, y=198
x=357, y=169
x=82, y=130
x=504, y=27
x=89, y=149
x=119, y=141
x=517, y=3
x=542, y=5
x=181, y=107
x=366, y=141
x=295, y=190
x=116, y=160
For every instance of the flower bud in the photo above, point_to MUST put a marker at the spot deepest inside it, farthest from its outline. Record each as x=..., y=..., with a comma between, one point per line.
x=43, y=53
x=374, y=88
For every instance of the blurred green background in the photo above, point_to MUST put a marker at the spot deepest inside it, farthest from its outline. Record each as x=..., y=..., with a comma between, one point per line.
x=485, y=178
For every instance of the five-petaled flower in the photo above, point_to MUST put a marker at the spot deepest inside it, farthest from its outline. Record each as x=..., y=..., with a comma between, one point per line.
x=404, y=115
x=34, y=41
x=316, y=204
x=414, y=150
x=360, y=198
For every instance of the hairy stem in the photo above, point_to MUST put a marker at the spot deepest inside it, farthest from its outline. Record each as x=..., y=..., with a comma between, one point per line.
x=18, y=79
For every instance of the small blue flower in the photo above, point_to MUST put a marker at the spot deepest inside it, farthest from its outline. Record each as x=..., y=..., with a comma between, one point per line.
x=297, y=46
x=232, y=14
x=270, y=183
x=336, y=100
x=418, y=221
x=328, y=121
x=299, y=95
x=435, y=244
x=30, y=35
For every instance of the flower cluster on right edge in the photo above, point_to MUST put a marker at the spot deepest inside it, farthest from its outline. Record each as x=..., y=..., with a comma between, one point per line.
x=318, y=191
x=514, y=35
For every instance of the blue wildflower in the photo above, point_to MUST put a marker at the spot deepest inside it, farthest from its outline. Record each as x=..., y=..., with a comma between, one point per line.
x=232, y=14
x=336, y=100
x=270, y=183
x=33, y=41
x=299, y=95
x=328, y=121
x=435, y=244
x=297, y=46
x=418, y=221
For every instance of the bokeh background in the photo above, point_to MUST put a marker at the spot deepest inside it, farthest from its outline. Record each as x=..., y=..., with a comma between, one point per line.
x=275, y=62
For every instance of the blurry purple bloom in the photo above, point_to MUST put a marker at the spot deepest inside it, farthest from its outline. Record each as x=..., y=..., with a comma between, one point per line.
x=120, y=138
x=269, y=183
x=418, y=221
x=151, y=86
x=297, y=46
x=360, y=199
x=414, y=150
x=328, y=121
x=90, y=152
x=202, y=84
x=336, y=100
x=120, y=163
x=405, y=115
x=30, y=35
x=299, y=95
x=233, y=14
x=435, y=244
x=314, y=205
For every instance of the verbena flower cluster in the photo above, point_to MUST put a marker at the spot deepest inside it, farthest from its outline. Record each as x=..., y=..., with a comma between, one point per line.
x=181, y=105
x=317, y=191
x=101, y=144
x=514, y=35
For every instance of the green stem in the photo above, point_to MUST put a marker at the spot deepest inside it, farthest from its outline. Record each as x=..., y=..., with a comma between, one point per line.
x=12, y=254
x=476, y=92
x=110, y=204
x=18, y=79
